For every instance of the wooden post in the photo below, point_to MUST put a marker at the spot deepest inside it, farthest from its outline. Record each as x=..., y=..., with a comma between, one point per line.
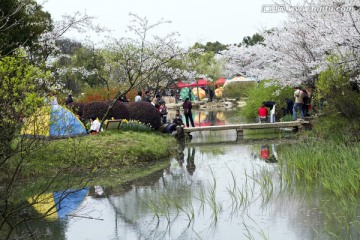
x=239, y=134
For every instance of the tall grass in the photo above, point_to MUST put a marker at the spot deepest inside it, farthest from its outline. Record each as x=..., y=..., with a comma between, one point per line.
x=334, y=166
x=328, y=174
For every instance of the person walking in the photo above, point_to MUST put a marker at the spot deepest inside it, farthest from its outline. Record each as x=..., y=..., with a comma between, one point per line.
x=299, y=102
x=187, y=106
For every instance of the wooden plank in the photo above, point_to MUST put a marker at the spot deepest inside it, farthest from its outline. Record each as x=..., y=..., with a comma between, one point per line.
x=248, y=126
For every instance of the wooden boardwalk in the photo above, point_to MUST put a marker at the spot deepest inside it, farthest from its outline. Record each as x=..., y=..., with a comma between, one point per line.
x=299, y=125
x=240, y=127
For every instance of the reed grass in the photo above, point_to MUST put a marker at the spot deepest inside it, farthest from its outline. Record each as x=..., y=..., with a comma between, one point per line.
x=329, y=175
x=335, y=166
x=211, y=198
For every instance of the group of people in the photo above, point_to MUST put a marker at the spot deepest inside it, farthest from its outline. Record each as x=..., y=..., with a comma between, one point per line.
x=159, y=104
x=302, y=104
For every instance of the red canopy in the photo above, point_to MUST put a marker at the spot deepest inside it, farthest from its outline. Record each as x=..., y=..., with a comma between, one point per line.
x=180, y=85
x=220, y=81
x=200, y=82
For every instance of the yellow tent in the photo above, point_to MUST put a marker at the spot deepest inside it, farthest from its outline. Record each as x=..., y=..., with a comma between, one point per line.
x=219, y=91
x=201, y=94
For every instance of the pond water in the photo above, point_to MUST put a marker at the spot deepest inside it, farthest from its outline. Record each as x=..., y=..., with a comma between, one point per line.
x=214, y=188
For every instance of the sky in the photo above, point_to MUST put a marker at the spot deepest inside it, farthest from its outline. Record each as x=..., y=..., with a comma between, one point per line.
x=225, y=21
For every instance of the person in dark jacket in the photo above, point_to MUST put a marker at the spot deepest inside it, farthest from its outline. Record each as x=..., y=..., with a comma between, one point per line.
x=289, y=107
x=69, y=100
x=187, y=106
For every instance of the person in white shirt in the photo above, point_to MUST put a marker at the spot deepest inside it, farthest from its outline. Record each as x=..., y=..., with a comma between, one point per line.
x=299, y=102
x=138, y=97
x=95, y=125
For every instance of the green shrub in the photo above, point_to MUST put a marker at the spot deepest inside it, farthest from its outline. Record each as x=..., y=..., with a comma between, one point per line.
x=336, y=127
x=238, y=90
x=146, y=113
x=342, y=95
x=266, y=91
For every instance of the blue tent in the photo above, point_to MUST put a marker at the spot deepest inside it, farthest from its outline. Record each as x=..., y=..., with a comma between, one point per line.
x=53, y=122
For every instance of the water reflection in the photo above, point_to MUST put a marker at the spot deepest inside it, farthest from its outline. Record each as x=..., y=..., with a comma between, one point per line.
x=267, y=154
x=59, y=204
x=190, y=162
x=219, y=191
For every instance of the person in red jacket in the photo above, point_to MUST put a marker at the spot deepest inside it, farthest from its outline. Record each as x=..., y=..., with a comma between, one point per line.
x=262, y=113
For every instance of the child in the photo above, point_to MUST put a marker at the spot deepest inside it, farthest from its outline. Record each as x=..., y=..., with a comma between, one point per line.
x=95, y=125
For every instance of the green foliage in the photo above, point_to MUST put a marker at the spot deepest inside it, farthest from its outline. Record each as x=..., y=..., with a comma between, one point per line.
x=146, y=113
x=266, y=91
x=205, y=64
x=238, y=90
x=213, y=47
x=21, y=24
x=337, y=127
x=19, y=96
x=93, y=62
x=251, y=41
x=81, y=66
x=342, y=95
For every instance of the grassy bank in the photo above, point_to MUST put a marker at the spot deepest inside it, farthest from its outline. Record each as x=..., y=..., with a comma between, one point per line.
x=109, y=151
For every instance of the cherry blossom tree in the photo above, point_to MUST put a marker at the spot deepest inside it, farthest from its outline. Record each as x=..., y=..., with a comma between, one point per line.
x=137, y=61
x=297, y=51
